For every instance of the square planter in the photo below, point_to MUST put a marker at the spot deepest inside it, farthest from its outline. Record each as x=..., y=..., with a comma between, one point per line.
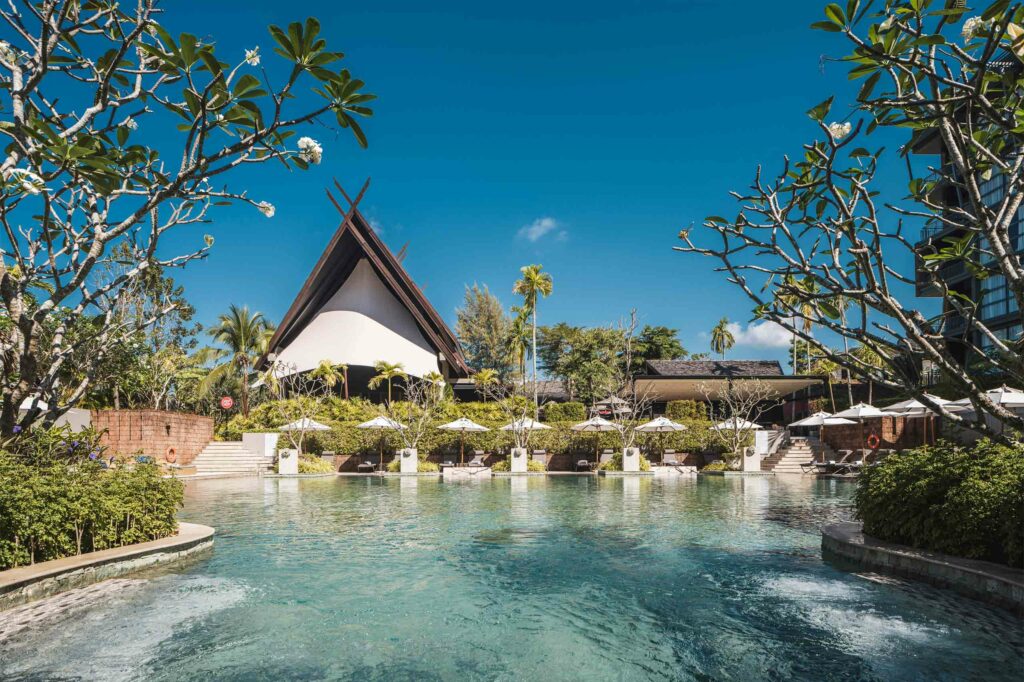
x=630, y=460
x=410, y=460
x=288, y=462
x=518, y=465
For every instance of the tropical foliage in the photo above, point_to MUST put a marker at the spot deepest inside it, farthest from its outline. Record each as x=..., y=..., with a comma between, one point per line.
x=243, y=338
x=89, y=197
x=483, y=329
x=959, y=500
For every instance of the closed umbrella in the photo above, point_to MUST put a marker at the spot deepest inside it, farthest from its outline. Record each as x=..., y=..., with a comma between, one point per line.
x=381, y=424
x=596, y=425
x=462, y=425
x=661, y=425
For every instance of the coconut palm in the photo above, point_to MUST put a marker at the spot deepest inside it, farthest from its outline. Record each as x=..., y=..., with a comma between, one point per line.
x=244, y=337
x=386, y=371
x=533, y=285
x=484, y=378
x=518, y=341
x=721, y=338
x=329, y=374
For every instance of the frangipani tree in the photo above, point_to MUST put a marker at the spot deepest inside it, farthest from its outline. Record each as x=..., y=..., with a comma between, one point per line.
x=817, y=231
x=117, y=133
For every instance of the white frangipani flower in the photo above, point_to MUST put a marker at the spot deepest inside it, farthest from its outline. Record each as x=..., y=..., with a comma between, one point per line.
x=839, y=130
x=252, y=57
x=266, y=208
x=310, y=149
x=972, y=27
x=130, y=123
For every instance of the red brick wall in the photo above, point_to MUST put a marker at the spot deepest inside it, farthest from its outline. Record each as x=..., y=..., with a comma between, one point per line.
x=153, y=432
x=895, y=433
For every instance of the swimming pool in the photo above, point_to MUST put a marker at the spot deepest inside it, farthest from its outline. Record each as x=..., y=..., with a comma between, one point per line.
x=545, y=578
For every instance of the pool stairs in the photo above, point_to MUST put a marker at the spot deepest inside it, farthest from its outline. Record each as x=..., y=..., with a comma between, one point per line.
x=799, y=451
x=229, y=457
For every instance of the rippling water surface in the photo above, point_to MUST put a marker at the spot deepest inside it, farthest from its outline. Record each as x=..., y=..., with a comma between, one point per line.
x=560, y=578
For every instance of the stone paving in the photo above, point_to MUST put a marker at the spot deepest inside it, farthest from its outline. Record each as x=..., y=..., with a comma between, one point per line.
x=60, y=606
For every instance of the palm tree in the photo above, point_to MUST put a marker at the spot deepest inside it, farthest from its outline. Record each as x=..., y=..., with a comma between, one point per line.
x=533, y=284
x=386, y=371
x=329, y=374
x=721, y=338
x=437, y=380
x=245, y=337
x=518, y=340
x=484, y=378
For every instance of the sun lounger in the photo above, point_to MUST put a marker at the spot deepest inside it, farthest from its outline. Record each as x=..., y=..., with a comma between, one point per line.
x=583, y=465
x=366, y=467
x=477, y=461
x=606, y=456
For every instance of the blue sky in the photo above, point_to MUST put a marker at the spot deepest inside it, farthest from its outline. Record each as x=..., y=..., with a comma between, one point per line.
x=581, y=136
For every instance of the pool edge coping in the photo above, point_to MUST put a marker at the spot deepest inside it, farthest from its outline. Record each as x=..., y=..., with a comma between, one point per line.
x=28, y=583
x=986, y=581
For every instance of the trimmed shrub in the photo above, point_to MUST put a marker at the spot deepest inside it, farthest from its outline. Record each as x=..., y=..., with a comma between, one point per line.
x=959, y=500
x=717, y=465
x=565, y=412
x=531, y=465
x=615, y=463
x=678, y=410
x=314, y=465
x=50, y=510
x=423, y=467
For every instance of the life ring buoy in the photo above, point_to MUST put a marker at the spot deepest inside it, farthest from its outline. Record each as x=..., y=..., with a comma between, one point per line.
x=171, y=456
x=874, y=441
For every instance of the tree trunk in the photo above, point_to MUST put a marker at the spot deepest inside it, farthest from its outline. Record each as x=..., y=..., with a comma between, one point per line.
x=536, y=407
x=117, y=397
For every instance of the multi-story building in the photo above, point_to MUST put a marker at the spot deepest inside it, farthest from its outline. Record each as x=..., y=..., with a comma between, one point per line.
x=995, y=306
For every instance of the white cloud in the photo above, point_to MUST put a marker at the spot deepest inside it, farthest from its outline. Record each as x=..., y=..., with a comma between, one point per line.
x=376, y=226
x=766, y=334
x=540, y=227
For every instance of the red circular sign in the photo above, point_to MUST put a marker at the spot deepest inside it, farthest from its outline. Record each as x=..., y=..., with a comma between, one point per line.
x=227, y=402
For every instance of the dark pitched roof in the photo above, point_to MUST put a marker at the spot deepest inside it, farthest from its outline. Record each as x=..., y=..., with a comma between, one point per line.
x=354, y=240
x=714, y=368
x=551, y=389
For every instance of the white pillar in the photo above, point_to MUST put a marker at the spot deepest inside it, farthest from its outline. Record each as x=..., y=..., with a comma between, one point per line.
x=518, y=461
x=631, y=459
x=410, y=460
x=288, y=462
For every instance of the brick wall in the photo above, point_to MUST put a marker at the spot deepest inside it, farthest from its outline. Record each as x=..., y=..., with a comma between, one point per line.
x=895, y=433
x=153, y=432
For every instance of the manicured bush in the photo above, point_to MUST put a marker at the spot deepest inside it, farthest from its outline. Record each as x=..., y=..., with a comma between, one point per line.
x=966, y=501
x=314, y=465
x=53, y=505
x=565, y=412
x=531, y=465
x=717, y=465
x=615, y=463
x=677, y=410
x=423, y=467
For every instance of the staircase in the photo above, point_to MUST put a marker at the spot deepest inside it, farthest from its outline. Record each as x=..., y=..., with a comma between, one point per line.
x=799, y=451
x=229, y=457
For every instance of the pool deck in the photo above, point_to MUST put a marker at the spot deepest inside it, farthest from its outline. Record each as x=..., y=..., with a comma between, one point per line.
x=989, y=582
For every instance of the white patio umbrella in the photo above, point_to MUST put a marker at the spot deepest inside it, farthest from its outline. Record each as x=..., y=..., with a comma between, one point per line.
x=822, y=419
x=915, y=409
x=736, y=424
x=596, y=425
x=381, y=424
x=661, y=425
x=27, y=404
x=462, y=425
x=526, y=424
x=862, y=411
x=1004, y=395
x=305, y=424
x=614, y=404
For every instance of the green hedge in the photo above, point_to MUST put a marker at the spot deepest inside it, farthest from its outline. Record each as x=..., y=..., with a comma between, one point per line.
x=344, y=438
x=531, y=465
x=565, y=412
x=615, y=463
x=685, y=409
x=54, y=509
x=964, y=501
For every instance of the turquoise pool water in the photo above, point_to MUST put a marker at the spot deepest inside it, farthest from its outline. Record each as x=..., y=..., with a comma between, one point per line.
x=568, y=578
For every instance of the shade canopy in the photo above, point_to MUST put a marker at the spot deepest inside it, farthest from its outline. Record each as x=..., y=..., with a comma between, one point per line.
x=526, y=424
x=735, y=424
x=822, y=419
x=863, y=411
x=596, y=424
x=661, y=425
x=305, y=424
x=915, y=407
x=464, y=425
x=1004, y=395
x=381, y=423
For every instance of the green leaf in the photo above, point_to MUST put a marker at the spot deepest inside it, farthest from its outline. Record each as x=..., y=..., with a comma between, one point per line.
x=819, y=112
x=835, y=14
